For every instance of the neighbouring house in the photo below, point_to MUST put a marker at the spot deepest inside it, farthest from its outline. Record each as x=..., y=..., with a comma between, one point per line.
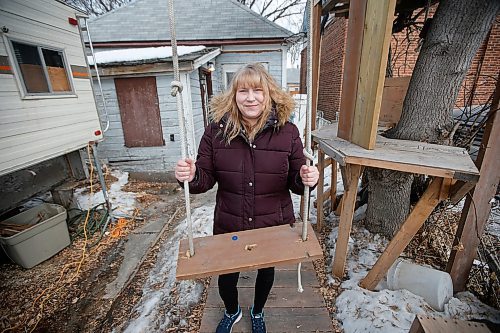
x=404, y=52
x=47, y=109
x=217, y=37
x=293, y=80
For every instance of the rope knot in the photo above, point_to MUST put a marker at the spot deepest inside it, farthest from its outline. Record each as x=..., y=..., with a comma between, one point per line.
x=308, y=154
x=176, y=86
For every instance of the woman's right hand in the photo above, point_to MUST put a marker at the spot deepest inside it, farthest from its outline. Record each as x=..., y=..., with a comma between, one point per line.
x=185, y=170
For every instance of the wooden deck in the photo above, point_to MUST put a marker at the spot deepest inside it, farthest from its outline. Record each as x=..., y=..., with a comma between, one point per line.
x=286, y=309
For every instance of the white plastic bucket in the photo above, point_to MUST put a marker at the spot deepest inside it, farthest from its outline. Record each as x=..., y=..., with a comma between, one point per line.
x=434, y=286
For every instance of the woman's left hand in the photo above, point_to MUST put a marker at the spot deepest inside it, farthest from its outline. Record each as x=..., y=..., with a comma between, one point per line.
x=309, y=175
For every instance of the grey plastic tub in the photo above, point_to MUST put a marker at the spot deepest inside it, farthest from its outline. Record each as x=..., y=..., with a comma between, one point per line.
x=40, y=242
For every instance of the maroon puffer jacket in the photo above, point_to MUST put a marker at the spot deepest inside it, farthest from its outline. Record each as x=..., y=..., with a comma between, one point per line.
x=254, y=180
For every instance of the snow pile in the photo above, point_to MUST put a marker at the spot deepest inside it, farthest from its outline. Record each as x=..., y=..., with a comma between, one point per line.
x=120, y=201
x=137, y=54
x=158, y=308
x=361, y=310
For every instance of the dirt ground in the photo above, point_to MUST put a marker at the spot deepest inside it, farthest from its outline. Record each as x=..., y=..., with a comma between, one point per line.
x=65, y=293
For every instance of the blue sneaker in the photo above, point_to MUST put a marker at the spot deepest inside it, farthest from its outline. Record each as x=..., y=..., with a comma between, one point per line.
x=228, y=321
x=258, y=324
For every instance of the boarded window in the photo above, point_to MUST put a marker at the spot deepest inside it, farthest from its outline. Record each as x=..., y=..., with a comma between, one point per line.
x=43, y=70
x=139, y=111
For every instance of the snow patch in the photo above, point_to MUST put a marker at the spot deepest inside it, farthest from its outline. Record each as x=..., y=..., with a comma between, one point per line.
x=156, y=309
x=137, y=54
x=391, y=311
x=120, y=201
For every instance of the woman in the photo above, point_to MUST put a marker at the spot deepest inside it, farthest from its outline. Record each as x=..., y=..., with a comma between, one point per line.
x=256, y=156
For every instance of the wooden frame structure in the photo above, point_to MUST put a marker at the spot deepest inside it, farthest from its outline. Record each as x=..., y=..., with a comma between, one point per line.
x=358, y=145
x=453, y=164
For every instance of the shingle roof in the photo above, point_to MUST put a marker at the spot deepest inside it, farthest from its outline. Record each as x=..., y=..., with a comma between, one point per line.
x=147, y=20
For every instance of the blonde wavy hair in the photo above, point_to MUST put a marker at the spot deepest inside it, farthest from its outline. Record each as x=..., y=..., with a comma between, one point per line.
x=251, y=76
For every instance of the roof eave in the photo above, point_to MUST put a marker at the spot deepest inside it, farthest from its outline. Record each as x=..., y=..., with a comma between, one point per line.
x=213, y=42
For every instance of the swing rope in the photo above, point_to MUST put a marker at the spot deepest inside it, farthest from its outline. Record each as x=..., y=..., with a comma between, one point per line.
x=308, y=153
x=176, y=91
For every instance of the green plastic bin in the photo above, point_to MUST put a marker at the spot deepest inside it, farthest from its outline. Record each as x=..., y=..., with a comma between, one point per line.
x=40, y=242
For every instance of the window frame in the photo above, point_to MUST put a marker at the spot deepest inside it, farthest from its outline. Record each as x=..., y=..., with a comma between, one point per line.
x=233, y=68
x=19, y=76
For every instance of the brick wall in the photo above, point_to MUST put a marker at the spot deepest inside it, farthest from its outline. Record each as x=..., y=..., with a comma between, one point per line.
x=482, y=73
x=332, y=67
x=404, y=52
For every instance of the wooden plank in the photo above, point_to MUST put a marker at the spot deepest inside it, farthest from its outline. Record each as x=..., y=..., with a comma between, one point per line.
x=283, y=278
x=286, y=310
x=395, y=89
x=326, y=194
x=409, y=228
x=268, y=247
x=278, y=320
x=140, y=111
x=460, y=190
x=477, y=209
x=401, y=155
x=376, y=39
x=319, y=190
x=333, y=189
x=316, y=48
x=278, y=297
x=424, y=324
x=352, y=60
x=348, y=204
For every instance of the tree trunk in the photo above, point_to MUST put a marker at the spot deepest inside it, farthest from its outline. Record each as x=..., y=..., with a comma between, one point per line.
x=456, y=33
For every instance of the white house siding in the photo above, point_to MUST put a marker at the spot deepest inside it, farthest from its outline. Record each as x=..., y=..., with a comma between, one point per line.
x=35, y=130
x=150, y=159
x=199, y=127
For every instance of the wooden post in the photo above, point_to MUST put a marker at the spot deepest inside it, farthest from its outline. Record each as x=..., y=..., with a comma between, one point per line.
x=371, y=76
x=319, y=190
x=409, y=228
x=316, y=44
x=353, y=172
x=333, y=188
x=476, y=210
x=352, y=60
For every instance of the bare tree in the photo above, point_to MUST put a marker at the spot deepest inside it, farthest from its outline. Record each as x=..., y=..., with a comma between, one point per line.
x=97, y=7
x=274, y=10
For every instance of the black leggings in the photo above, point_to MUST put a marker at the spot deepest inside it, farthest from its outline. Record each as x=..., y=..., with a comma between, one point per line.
x=228, y=290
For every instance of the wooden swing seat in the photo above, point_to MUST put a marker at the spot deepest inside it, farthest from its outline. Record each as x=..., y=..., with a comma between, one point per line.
x=246, y=250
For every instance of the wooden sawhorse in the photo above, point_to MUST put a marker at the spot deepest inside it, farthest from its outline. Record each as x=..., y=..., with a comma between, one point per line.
x=452, y=168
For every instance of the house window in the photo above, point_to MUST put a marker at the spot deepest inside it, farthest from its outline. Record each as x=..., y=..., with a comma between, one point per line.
x=228, y=71
x=42, y=70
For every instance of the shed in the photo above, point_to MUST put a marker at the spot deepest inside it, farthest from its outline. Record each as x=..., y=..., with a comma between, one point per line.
x=232, y=34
